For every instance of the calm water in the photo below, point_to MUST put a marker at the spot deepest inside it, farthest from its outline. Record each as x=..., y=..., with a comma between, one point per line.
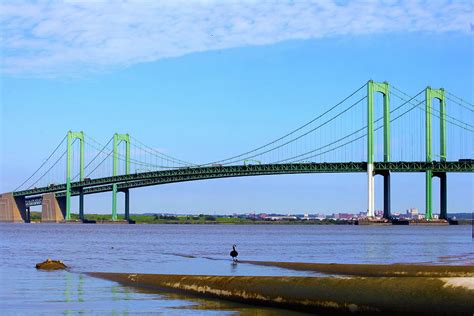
x=192, y=249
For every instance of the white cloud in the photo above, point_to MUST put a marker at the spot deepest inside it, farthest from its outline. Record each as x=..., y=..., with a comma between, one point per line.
x=63, y=38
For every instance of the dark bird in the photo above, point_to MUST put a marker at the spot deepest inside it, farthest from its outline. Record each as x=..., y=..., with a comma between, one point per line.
x=234, y=253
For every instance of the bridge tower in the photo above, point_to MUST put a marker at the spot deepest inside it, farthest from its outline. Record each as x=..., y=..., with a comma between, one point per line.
x=71, y=136
x=438, y=94
x=118, y=138
x=383, y=88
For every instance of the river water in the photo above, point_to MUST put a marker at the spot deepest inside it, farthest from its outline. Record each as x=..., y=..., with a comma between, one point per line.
x=192, y=249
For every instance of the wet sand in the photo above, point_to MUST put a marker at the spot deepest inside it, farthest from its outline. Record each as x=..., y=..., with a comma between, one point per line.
x=392, y=289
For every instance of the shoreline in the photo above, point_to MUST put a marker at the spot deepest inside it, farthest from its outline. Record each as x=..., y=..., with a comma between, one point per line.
x=204, y=219
x=301, y=223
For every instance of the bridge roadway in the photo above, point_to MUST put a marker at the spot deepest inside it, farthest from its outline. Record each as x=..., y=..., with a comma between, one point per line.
x=136, y=180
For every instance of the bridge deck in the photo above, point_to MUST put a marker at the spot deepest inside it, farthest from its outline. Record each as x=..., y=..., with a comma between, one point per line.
x=212, y=172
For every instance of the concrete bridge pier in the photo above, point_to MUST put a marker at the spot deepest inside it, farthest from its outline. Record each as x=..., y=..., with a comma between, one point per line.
x=53, y=209
x=12, y=209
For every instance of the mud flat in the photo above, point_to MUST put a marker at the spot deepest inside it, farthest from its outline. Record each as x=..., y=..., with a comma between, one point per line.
x=374, y=270
x=377, y=222
x=373, y=295
x=439, y=222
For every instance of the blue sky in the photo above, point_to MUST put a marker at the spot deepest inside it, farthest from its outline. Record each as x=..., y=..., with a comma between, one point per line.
x=207, y=80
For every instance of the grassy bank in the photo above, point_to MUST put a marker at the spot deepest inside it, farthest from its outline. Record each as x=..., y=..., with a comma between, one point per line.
x=207, y=219
x=199, y=219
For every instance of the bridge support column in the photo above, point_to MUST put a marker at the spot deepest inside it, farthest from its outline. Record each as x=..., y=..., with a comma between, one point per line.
x=443, y=196
x=370, y=190
x=127, y=204
x=81, y=204
x=114, y=202
x=12, y=209
x=28, y=215
x=386, y=192
x=53, y=209
x=386, y=195
x=428, y=194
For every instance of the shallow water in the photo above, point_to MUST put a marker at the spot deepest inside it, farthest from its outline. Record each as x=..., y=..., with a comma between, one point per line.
x=192, y=249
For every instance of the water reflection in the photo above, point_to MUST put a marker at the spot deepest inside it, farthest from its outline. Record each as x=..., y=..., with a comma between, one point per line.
x=80, y=291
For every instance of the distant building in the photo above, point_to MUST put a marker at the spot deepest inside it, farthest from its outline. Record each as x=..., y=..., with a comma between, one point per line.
x=412, y=213
x=419, y=216
x=282, y=218
x=320, y=217
x=307, y=217
x=251, y=216
x=343, y=216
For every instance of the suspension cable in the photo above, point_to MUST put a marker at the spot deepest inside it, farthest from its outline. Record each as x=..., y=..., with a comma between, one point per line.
x=173, y=159
x=463, y=103
x=354, y=140
x=288, y=134
x=434, y=109
x=54, y=151
x=438, y=116
x=93, y=159
x=56, y=162
x=302, y=135
x=121, y=157
x=351, y=134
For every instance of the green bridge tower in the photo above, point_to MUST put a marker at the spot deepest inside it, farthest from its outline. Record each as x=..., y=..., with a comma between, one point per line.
x=438, y=94
x=383, y=88
x=71, y=136
x=118, y=138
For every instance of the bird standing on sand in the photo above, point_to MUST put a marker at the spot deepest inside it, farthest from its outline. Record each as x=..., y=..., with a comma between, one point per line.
x=234, y=253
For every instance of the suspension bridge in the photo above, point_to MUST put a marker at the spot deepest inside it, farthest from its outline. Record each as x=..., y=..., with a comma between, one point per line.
x=378, y=129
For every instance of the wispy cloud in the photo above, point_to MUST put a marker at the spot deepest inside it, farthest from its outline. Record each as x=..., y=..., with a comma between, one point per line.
x=62, y=38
